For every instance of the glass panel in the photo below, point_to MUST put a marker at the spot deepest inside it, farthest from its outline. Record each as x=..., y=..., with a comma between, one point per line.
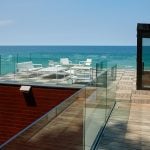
x=146, y=62
x=7, y=68
x=111, y=88
x=95, y=109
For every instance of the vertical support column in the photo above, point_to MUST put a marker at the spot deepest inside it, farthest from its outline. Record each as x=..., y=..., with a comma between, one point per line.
x=139, y=59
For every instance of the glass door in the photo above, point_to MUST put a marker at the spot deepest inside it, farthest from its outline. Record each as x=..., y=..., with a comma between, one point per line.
x=146, y=62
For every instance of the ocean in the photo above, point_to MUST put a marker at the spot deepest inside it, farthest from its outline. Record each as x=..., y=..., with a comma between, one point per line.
x=123, y=56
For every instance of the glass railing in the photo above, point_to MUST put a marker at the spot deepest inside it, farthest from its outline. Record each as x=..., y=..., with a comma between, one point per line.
x=41, y=58
x=45, y=69
x=84, y=118
x=8, y=63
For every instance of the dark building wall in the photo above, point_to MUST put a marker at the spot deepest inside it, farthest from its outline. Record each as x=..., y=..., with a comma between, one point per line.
x=15, y=114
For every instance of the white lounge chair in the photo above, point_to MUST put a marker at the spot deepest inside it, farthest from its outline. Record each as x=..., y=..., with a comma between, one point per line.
x=88, y=62
x=27, y=67
x=52, y=70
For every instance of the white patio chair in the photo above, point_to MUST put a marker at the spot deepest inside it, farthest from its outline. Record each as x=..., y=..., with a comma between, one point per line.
x=88, y=62
x=27, y=66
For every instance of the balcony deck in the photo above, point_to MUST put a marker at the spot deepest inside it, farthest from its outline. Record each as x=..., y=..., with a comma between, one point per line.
x=127, y=128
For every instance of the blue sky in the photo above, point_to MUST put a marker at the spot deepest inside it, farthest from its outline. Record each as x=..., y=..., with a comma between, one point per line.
x=71, y=22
